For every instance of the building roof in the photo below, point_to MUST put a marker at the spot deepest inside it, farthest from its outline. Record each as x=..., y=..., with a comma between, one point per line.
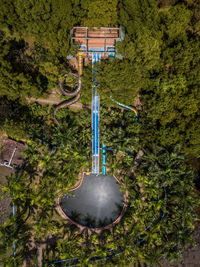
x=7, y=150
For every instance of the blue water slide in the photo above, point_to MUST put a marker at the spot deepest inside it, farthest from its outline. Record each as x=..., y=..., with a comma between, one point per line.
x=103, y=159
x=95, y=118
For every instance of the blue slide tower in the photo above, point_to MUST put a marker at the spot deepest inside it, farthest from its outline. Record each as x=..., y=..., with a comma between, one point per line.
x=95, y=44
x=95, y=118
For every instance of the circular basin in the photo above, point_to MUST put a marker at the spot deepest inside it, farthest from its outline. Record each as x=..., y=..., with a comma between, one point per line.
x=97, y=202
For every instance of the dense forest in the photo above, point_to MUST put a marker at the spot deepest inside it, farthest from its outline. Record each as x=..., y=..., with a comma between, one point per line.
x=156, y=156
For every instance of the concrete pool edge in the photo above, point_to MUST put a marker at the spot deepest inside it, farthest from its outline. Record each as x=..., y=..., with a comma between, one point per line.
x=95, y=229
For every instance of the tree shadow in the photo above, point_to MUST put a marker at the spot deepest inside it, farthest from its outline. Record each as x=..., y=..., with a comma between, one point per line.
x=21, y=61
x=118, y=210
x=89, y=220
x=104, y=222
x=76, y=216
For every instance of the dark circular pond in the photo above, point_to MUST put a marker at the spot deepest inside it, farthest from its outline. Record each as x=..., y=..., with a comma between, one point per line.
x=96, y=203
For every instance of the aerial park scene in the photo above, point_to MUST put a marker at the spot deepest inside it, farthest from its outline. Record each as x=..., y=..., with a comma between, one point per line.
x=97, y=198
x=99, y=134
x=96, y=202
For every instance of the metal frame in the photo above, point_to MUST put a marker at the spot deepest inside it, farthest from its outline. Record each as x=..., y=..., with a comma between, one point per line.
x=10, y=161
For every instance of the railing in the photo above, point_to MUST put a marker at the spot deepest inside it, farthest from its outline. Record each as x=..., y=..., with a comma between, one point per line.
x=95, y=119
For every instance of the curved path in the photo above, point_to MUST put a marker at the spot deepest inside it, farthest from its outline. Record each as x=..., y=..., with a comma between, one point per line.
x=66, y=103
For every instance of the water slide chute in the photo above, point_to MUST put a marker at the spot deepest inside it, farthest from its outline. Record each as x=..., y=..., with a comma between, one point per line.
x=126, y=107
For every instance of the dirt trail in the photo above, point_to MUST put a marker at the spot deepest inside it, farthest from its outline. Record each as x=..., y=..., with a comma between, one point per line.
x=52, y=102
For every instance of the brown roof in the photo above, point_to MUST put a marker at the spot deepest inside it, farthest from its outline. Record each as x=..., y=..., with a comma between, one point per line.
x=103, y=37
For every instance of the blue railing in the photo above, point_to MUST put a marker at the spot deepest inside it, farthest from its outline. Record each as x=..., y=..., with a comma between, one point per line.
x=95, y=118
